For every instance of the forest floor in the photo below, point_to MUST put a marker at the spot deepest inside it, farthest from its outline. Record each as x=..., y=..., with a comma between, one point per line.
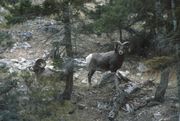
x=92, y=104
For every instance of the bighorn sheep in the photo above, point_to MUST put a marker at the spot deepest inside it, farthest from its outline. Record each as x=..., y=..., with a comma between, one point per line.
x=39, y=66
x=63, y=74
x=111, y=60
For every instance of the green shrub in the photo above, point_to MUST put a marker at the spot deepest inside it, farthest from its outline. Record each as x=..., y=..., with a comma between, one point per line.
x=25, y=6
x=23, y=11
x=50, y=7
x=5, y=40
x=15, y=19
x=159, y=62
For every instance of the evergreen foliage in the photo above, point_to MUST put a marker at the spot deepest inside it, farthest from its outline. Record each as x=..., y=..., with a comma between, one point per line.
x=112, y=17
x=5, y=40
x=9, y=101
x=51, y=7
x=137, y=17
x=22, y=11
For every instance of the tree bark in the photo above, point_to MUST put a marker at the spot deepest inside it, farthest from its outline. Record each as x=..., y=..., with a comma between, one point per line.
x=161, y=89
x=120, y=97
x=178, y=74
x=118, y=100
x=178, y=84
x=160, y=28
x=159, y=17
x=174, y=21
x=67, y=27
x=120, y=35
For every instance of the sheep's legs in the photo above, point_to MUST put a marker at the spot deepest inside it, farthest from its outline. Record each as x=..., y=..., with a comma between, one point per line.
x=90, y=74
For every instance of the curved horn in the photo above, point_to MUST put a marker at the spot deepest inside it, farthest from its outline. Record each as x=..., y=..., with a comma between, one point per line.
x=117, y=42
x=124, y=43
x=40, y=63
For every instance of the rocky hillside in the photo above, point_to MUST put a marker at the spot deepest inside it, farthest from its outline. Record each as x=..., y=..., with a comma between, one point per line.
x=35, y=99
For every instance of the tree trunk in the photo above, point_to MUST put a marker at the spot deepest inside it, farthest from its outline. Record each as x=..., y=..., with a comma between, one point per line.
x=120, y=35
x=67, y=27
x=174, y=21
x=160, y=25
x=118, y=100
x=160, y=32
x=178, y=74
x=121, y=96
x=110, y=2
x=178, y=84
x=159, y=17
x=161, y=89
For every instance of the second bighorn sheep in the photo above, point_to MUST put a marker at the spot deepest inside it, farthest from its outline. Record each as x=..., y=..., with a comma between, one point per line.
x=39, y=66
x=108, y=61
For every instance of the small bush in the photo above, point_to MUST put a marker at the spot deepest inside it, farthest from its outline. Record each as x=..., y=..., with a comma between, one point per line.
x=25, y=6
x=22, y=11
x=159, y=62
x=50, y=7
x=5, y=40
x=15, y=19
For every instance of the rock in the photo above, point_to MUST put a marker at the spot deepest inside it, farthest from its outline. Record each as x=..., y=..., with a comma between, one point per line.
x=25, y=36
x=22, y=60
x=81, y=62
x=2, y=65
x=2, y=50
x=2, y=20
x=157, y=115
x=177, y=105
x=76, y=75
x=20, y=45
x=25, y=45
x=22, y=88
x=14, y=60
x=6, y=61
x=15, y=65
x=1, y=56
x=124, y=73
x=106, y=78
x=142, y=67
x=129, y=108
x=51, y=28
x=103, y=106
x=3, y=13
x=130, y=87
x=139, y=74
x=81, y=106
x=12, y=70
x=84, y=81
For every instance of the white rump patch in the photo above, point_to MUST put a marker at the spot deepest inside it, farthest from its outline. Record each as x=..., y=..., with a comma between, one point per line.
x=88, y=59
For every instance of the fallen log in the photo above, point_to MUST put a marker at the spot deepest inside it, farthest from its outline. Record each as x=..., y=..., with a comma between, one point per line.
x=122, y=93
x=109, y=78
x=120, y=97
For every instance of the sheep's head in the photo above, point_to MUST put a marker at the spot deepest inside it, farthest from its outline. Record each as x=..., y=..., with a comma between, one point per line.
x=121, y=48
x=39, y=66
